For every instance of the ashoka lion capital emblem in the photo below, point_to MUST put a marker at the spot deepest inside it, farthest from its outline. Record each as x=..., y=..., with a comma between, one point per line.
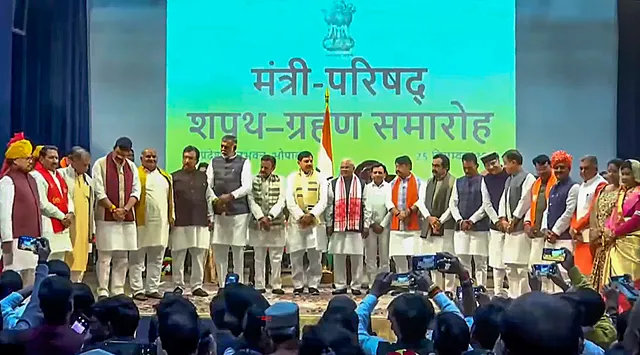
x=339, y=18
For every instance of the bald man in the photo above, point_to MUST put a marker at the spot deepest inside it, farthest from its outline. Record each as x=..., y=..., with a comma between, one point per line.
x=345, y=227
x=154, y=217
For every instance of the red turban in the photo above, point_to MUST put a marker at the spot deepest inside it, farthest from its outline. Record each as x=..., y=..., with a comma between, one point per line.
x=561, y=157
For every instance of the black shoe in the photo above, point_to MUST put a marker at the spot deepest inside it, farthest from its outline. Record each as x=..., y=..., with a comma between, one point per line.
x=298, y=291
x=198, y=292
x=100, y=298
x=314, y=291
x=278, y=291
x=178, y=291
x=356, y=292
x=140, y=296
x=261, y=290
x=154, y=295
x=341, y=291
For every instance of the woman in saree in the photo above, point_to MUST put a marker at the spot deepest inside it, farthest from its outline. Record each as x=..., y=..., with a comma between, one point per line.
x=622, y=229
x=605, y=201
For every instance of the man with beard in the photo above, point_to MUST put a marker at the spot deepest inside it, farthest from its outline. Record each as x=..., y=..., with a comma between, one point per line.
x=19, y=208
x=345, y=227
x=437, y=232
x=306, y=232
x=231, y=180
x=492, y=189
x=194, y=214
x=154, y=216
x=117, y=187
x=56, y=206
x=266, y=229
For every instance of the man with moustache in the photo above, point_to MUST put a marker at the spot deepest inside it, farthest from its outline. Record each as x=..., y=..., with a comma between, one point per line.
x=376, y=219
x=514, y=203
x=231, y=180
x=56, y=206
x=267, y=201
x=561, y=206
x=19, y=208
x=117, y=189
x=404, y=204
x=433, y=203
x=82, y=227
x=154, y=216
x=345, y=227
x=471, y=240
x=492, y=188
x=306, y=233
x=193, y=217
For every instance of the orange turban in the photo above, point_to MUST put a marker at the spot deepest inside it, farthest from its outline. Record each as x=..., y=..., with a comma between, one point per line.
x=561, y=157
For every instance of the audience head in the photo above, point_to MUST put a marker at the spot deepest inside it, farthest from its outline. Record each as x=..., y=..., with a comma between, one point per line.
x=537, y=323
x=83, y=300
x=492, y=163
x=238, y=298
x=342, y=316
x=588, y=303
x=486, y=323
x=512, y=161
x=325, y=339
x=56, y=302
x=451, y=334
x=403, y=166
x=217, y=310
x=283, y=322
x=613, y=171
x=10, y=281
x=115, y=316
x=410, y=315
x=542, y=163
x=59, y=268
x=178, y=326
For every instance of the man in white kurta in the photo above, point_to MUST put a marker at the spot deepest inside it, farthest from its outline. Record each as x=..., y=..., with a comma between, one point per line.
x=471, y=239
x=514, y=203
x=194, y=216
x=266, y=229
x=56, y=204
x=230, y=178
x=345, y=227
x=154, y=216
x=306, y=231
x=117, y=189
x=376, y=219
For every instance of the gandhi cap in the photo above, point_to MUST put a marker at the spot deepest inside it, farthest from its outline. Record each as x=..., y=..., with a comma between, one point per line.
x=489, y=157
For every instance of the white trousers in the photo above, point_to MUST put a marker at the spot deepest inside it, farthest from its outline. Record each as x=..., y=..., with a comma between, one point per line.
x=178, y=258
x=112, y=272
x=481, y=267
x=376, y=245
x=518, y=280
x=402, y=264
x=275, y=259
x=154, y=256
x=498, y=281
x=312, y=274
x=221, y=253
x=340, y=271
x=446, y=282
x=57, y=256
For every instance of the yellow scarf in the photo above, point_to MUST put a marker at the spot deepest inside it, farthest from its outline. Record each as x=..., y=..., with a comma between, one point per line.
x=142, y=202
x=307, y=190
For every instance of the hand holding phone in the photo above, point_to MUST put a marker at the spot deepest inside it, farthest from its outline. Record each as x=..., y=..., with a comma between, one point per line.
x=555, y=255
x=425, y=262
x=27, y=243
x=543, y=269
x=624, y=284
x=80, y=325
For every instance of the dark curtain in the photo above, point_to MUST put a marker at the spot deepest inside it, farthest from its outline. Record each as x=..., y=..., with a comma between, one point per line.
x=6, y=23
x=628, y=138
x=50, y=75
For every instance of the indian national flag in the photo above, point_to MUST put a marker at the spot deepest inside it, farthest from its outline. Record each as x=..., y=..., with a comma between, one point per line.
x=325, y=156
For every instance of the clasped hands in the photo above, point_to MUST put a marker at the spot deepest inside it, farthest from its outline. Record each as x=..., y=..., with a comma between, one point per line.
x=220, y=204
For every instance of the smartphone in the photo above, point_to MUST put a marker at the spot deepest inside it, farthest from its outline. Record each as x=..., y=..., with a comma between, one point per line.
x=231, y=279
x=476, y=291
x=27, y=243
x=557, y=255
x=401, y=280
x=624, y=285
x=425, y=262
x=543, y=269
x=80, y=325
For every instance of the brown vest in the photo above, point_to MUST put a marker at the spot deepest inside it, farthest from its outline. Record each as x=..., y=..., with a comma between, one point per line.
x=26, y=216
x=190, y=198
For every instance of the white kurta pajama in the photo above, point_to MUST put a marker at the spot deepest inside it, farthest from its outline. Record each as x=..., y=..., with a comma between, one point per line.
x=60, y=242
x=470, y=245
x=312, y=239
x=376, y=246
x=403, y=242
x=517, y=245
x=272, y=241
x=114, y=239
x=153, y=235
x=495, y=244
x=342, y=242
x=230, y=231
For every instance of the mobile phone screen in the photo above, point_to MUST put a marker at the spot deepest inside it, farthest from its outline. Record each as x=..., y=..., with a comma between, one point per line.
x=80, y=325
x=543, y=269
x=424, y=262
x=27, y=243
x=401, y=280
x=549, y=254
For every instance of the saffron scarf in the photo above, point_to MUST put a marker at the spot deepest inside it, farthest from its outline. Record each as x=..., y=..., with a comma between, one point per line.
x=412, y=197
x=534, y=195
x=112, y=186
x=58, y=197
x=348, y=207
x=141, y=205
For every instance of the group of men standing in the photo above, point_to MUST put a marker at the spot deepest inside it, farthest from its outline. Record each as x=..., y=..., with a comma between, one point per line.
x=501, y=218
